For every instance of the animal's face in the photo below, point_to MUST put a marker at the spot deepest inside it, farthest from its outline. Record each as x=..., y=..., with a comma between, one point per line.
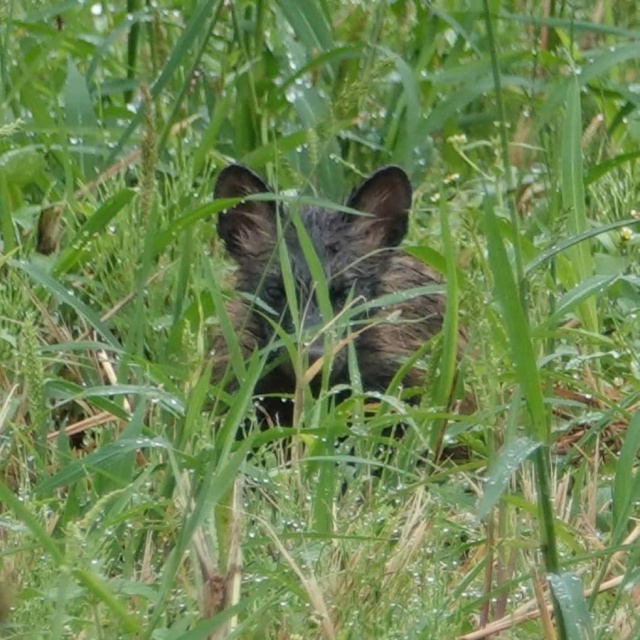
x=351, y=250
x=347, y=272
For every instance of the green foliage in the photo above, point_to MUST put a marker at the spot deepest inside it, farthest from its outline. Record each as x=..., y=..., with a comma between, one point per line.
x=520, y=132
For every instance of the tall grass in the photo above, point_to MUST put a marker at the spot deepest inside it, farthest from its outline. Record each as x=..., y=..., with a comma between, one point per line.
x=519, y=131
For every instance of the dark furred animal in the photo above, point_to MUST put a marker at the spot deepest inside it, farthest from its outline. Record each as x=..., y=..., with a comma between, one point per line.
x=361, y=263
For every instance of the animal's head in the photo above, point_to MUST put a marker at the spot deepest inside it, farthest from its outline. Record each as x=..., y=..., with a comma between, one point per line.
x=352, y=249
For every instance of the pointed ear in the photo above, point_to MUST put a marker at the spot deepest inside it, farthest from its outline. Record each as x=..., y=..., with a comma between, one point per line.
x=249, y=227
x=386, y=195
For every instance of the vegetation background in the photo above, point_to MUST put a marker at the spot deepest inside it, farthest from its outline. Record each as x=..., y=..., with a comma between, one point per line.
x=518, y=123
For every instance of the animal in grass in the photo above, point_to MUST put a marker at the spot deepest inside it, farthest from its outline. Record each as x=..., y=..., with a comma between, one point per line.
x=362, y=263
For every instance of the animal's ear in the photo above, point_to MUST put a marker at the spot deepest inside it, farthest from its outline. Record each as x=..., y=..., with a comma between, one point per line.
x=249, y=227
x=386, y=196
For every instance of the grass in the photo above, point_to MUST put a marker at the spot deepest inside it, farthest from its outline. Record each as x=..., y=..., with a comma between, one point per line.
x=519, y=130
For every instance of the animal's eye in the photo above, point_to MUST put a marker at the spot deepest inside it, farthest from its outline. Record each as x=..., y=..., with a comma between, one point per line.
x=275, y=292
x=338, y=295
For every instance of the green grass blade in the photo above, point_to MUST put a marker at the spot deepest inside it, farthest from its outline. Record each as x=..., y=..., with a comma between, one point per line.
x=522, y=353
x=596, y=172
x=310, y=24
x=517, y=328
x=6, y=219
x=177, y=59
x=97, y=462
x=570, y=24
x=450, y=335
x=507, y=462
x=96, y=224
x=626, y=486
x=50, y=545
x=573, y=199
x=79, y=113
x=562, y=246
x=103, y=594
x=577, y=296
x=54, y=288
x=567, y=590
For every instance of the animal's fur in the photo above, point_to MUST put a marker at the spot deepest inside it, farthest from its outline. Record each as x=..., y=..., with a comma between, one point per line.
x=361, y=261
